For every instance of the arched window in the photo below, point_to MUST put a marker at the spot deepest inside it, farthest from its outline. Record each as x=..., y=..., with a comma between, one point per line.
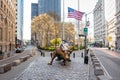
x=1, y=4
x=0, y=34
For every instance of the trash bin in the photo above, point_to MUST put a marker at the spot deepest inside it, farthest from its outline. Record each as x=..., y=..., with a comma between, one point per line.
x=86, y=60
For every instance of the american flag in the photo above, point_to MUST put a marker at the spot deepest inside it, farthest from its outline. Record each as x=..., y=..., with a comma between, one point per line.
x=75, y=14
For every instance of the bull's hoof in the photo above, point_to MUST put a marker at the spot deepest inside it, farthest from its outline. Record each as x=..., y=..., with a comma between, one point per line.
x=69, y=60
x=64, y=64
x=49, y=63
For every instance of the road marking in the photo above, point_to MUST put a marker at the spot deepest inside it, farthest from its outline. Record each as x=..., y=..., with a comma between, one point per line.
x=104, y=68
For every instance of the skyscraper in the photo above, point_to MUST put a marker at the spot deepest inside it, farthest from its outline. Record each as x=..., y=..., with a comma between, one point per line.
x=34, y=11
x=110, y=23
x=20, y=12
x=48, y=6
x=99, y=23
x=117, y=24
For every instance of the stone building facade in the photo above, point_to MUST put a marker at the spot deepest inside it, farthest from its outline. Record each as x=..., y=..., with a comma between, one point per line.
x=7, y=25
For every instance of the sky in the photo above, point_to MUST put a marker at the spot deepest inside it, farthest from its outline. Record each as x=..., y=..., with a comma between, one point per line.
x=27, y=19
x=84, y=6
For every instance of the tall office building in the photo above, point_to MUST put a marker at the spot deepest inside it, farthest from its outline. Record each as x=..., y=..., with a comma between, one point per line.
x=34, y=11
x=117, y=24
x=99, y=22
x=20, y=4
x=7, y=25
x=110, y=22
x=47, y=6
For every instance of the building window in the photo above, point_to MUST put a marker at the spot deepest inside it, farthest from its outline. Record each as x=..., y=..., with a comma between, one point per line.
x=4, y=8
x=1, y=4
x=1, y=17
x=0, y=34
x=0, y=47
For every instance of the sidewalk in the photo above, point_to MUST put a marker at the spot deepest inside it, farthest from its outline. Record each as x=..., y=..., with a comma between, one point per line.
x=110, y=52
x=14, y=57
x=40, y=70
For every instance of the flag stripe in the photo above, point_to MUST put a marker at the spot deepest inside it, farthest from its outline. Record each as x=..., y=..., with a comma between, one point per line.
x=74, y=14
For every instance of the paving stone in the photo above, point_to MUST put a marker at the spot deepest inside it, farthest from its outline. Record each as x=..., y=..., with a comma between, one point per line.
x=98, y=71
x=96, y=64
x=103, y=77
x=39, y=70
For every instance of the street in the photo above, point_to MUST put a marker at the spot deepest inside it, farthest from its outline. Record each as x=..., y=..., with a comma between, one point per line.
x=15, y=71
x=110, y=63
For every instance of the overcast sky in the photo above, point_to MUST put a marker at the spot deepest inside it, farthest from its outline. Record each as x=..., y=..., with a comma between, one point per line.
x=84, y=6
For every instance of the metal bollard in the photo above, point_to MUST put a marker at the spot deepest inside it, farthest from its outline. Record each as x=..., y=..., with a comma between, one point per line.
x=82, y=54
x=51, y=54
x=73, y=55
x=86, y=60
x=43, y=54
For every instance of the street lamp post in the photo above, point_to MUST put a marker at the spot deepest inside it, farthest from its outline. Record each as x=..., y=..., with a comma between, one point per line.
x=85, y=35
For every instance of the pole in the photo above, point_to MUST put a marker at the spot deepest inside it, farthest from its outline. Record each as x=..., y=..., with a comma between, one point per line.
x=85, y=35
x=85, y=46
x=63, y=34
x=78, y=30
x=86, y=56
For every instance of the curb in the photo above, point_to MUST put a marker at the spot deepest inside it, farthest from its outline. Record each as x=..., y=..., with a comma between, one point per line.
x=98, y=71
x=8, y=66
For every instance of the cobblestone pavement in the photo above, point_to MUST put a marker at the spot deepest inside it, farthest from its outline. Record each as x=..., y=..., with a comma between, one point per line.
x=39, y=70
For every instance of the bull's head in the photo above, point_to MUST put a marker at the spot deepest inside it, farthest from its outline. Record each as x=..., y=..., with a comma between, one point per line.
x=67, y=56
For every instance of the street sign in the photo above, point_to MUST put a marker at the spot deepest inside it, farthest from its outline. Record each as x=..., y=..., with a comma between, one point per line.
x=85, y=31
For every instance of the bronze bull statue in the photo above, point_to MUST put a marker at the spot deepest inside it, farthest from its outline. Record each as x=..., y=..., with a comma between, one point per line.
x=61, y=55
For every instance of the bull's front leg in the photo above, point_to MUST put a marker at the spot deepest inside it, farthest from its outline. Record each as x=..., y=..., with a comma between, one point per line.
x=64, y=62
x=53, y=57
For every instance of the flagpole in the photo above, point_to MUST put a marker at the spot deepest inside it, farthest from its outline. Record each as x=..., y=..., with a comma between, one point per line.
x=63, y=37
x=78, y=30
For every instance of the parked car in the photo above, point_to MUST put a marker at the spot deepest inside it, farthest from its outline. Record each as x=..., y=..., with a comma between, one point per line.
x=19, y=50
